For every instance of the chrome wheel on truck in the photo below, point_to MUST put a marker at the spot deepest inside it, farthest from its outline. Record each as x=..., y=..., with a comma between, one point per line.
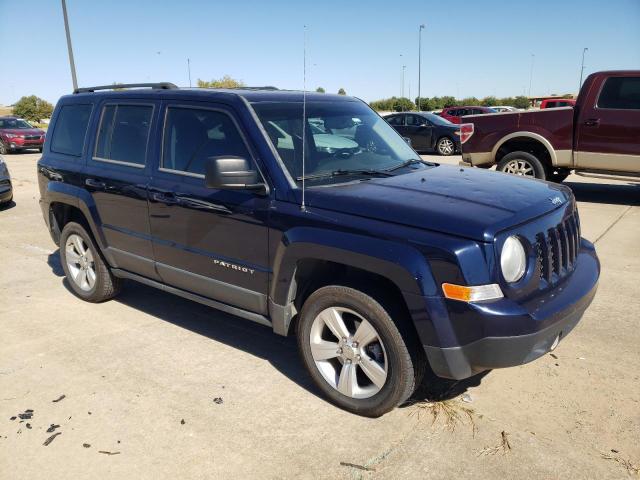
x=523, y=164
x=362, y=354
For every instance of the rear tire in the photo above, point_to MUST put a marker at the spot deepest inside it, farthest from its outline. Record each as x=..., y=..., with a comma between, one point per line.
x=445, y=146
x=85, y=269
x=369, y=368
x=523, y=164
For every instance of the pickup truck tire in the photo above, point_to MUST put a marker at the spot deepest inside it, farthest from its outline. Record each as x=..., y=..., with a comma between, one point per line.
x=523, y=164
x=3, y=148
x=445, y=146
x=87, y=273
x=355, y=352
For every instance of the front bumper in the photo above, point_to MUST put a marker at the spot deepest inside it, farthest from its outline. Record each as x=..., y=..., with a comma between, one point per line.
x=509, y=337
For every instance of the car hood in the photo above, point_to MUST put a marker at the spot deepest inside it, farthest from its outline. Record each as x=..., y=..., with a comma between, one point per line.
x=466, y=202
x=22, y=131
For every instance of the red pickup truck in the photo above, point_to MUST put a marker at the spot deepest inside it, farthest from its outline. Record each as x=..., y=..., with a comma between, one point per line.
x=600, y=135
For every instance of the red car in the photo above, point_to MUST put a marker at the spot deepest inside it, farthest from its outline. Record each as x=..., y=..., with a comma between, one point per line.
x=555, y=103
x=17, y=134
x=454, y=114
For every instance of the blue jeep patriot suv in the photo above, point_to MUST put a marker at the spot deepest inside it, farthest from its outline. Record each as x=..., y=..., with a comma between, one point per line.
x=309, y=214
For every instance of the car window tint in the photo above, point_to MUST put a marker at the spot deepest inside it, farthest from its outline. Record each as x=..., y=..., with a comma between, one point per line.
x=620, y=92
x=395, y=120
x=123, y=133
x=192, y=135
x=70, y=129
x=415, y=120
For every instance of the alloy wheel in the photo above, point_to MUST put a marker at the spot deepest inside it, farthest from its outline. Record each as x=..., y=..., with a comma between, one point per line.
x=80, y=262
x=445, y=146
x=520, y=167
x=348, y=352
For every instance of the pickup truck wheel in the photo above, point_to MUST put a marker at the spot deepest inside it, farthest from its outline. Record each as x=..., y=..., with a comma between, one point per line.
x=3, y=148
x=445, y=146
x=523, y=164
x=354, y=351
x=86, y=271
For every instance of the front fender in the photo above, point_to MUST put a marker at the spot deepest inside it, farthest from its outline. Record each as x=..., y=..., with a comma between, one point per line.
x=402, y=264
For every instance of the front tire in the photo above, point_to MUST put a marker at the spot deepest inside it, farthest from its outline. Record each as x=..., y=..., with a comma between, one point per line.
x=3, y=148
x=355, y=352
x=87, y=273
x=445, y=146
x=523, y=164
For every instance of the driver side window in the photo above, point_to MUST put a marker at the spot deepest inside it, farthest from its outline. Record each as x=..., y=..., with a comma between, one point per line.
x=191, y=135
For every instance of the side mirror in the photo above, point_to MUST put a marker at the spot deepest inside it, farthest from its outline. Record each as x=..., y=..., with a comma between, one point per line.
x=408, y=140
x=232, y=173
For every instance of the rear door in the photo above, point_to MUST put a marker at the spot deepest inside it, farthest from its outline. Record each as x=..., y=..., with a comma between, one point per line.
x=419, y=130
x=207, y=241
x=609, y=127
x=117, y=175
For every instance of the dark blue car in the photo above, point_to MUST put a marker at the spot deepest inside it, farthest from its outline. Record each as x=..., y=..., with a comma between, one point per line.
x=314, y=218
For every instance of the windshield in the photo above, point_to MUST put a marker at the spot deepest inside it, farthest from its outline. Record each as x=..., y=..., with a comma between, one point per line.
x=437, y=120
x=16, y=123
x=340, y=136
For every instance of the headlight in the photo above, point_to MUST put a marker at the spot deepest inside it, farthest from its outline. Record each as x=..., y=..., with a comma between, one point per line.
x=513, y=260
x=11, y=135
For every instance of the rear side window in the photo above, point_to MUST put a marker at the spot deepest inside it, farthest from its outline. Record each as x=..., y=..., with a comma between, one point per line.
x=192, y=135
x=124, y=133
x=621, y=93
x=70, y=129
x=395, y=120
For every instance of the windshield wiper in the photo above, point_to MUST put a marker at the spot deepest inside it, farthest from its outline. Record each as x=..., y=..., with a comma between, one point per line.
x=337, y=173
x=411, y=161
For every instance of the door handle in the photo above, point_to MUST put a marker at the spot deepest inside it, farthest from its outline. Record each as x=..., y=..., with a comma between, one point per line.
x=96, y=184
x=167, y=198
x=592, y=122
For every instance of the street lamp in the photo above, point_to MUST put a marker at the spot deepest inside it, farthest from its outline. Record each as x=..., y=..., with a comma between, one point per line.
x=419, y=61
x=72, y=64
x=189, y=70
x=403, y=69
x=582, y=68
x=533, y=56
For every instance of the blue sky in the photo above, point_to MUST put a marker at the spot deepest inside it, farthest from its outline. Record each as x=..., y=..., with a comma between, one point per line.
x=480, y=47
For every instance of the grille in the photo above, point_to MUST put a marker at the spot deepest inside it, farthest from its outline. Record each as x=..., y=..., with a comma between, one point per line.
x=5, y=183
x=557, y=249
x=32, y=137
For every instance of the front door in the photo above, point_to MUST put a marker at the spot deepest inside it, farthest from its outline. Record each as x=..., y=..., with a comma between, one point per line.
x=117, y=174
x=608, y=132
x=207, y=241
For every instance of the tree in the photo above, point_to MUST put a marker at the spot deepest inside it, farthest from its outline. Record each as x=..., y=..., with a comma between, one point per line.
x=320, y=90
x=342, y=91
x=521, y=102
x=32, y=108
x=224, y=82
x=490, y=101
x=403, y=104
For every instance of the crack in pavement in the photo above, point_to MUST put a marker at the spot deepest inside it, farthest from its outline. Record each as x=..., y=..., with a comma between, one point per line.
x=626, y=210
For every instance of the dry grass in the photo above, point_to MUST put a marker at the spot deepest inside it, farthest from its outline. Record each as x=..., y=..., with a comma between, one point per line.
x=6, y=111
x=451, y=413
x=503, y=447
x=626, y=463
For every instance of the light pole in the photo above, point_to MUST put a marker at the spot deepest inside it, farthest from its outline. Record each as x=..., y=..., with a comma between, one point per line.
x=582, y=68
x=69, y=48
x=533, y=56
x=419, y=61
x=403, y=69
x=189, y=70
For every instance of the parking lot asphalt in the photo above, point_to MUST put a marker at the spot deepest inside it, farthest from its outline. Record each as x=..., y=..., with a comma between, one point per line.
x=156, y=386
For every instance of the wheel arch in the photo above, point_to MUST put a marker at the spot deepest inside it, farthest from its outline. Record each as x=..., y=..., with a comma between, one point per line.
x=527, y=141
x=307, y=259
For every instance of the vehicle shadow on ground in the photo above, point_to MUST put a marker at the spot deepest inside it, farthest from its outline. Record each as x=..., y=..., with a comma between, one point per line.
x=7, y=206
x=613, y=194
x=257, y=340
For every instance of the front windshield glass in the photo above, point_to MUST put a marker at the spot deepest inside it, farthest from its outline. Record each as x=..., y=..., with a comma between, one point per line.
x=340, y=136
x=16, y=123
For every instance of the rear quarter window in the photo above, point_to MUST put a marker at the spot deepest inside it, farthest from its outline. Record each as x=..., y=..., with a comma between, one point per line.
x=70, y=130
x=620, y=93
x=124, y=133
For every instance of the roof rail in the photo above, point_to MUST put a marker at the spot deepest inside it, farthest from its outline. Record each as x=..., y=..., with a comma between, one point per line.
x=118, y=86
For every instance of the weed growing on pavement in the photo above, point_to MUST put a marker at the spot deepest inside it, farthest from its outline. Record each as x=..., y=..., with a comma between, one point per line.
x=503, y=447
x=452, y=412
x=630, y=467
